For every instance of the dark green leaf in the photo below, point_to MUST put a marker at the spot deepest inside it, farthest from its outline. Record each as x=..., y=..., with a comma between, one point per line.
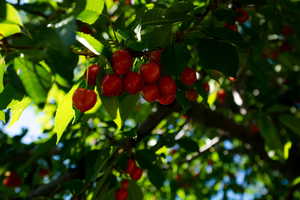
x=156, y=176
x=218, y=55
x=134, y=191
x=293, y=123
x=188, y=144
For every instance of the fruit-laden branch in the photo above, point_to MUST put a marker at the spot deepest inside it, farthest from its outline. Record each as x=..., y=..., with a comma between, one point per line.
x=144, y=130
x=198, y=113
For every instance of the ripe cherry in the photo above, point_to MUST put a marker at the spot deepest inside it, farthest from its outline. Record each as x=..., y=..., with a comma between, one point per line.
x=91, y=74
x=254, y=129
x=85, y=29
x=167, y=86
x=133, y=82
x=232, y=27
x=12, y=179
x=191, y=95
x=125, y=184
x=221, y=95
x=285, y=47
x=121, y=194
x=150, y=72
x=205, y=87
x=111, y=85
x=242, y=15
x=151, y=92
x=131, y=165
x=121, y=62
x=84, y=99
x=136, y=174
x=43, y=172
x=232, y=79
x=188, y=76
x=155, y=56
x=287, y=30
x=167, y=100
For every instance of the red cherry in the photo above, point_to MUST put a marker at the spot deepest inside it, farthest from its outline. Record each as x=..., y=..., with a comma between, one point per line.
x=128, y=2
x=151, y=93
x=131, y=165
x=85, y=29
x=188, y=76
x=124, y=184
x=92, y=73
x=232, y=79
x=242, y=15
x=167, y=86
x=121, y=194
x=210, y=162
x=287, y=30
x=232, y=27
x=150, y=72
x=136, y=174
x=285, y=47
x=166, y=100
x=254, y=129
x=191, y=95
x=12, y=180
x=84, y=99
x=205, y=87
x=221, y=95
x=155, y=56
x=121, y=62
x=111, y=85
x=43, y=172
x=133, y=83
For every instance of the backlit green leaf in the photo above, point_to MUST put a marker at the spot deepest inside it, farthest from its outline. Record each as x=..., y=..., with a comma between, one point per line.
x=16, y=109
x=64, y=114
x=91, y=11
x=89, y=42
x=2, y=70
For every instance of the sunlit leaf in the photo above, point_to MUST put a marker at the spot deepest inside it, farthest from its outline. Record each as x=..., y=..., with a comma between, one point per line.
x=2, y=70
x=16, y=109
x=89, y=42
x=64, y=113
x=91, y=12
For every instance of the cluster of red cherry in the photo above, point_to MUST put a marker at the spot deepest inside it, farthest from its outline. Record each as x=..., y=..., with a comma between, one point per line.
x=135, y=173
x=241, y=17
x=149, y=81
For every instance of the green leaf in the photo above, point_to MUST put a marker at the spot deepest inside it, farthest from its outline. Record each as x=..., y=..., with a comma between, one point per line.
x=111, y=105
x=35, y=79
x=16, y=109
x=174, y=59
x=91, y=12
x=10, y=21
x=291, y=122
x=11, y=15
x=2, y=70
x=188, y=144
x=146, y=158
x=64, y=113
x=2, y=116
x=156, y=176
x=118, y=120
x=270, y=134
x=134, y=191
x=89, y=42
x=218, y=55
x=8, y=30
x=127, y=105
